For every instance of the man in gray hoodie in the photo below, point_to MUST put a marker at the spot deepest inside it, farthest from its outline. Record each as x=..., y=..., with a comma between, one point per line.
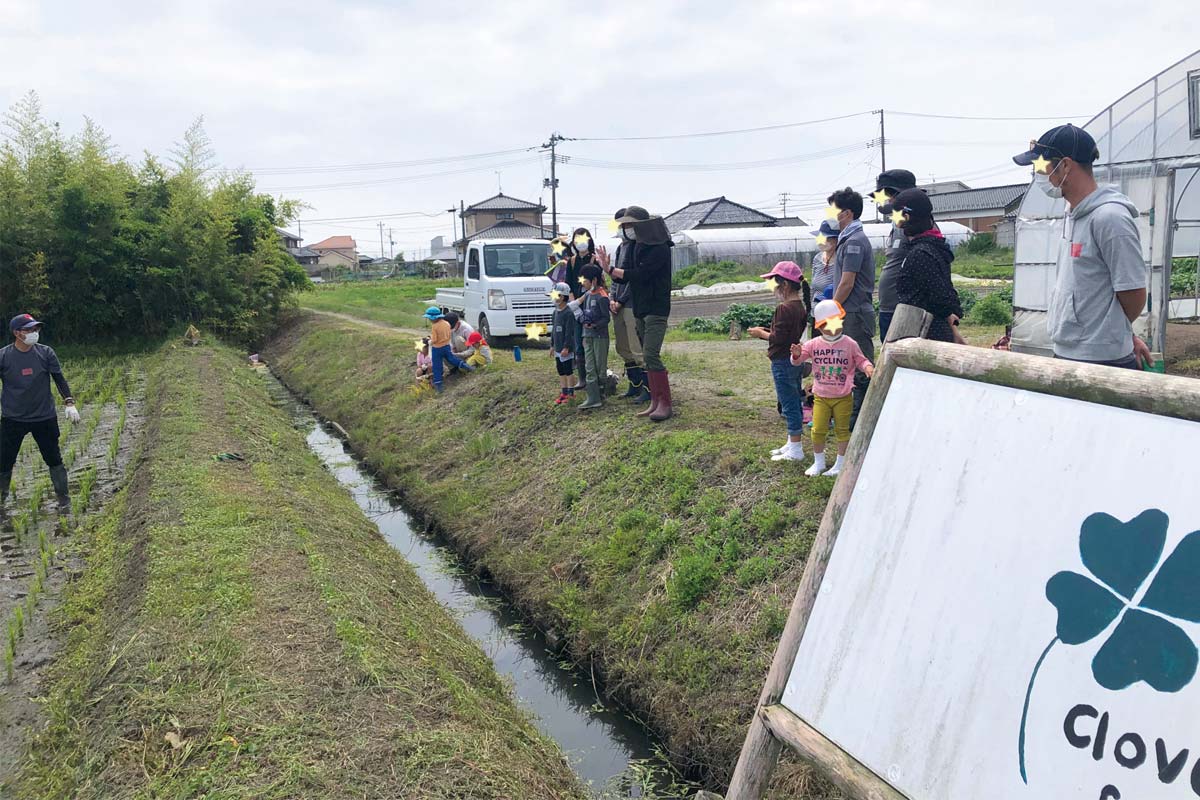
x=1101, y=282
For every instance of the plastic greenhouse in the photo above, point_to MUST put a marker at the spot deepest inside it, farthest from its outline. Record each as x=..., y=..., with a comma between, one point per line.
x=766, y=246
x=1149, y=144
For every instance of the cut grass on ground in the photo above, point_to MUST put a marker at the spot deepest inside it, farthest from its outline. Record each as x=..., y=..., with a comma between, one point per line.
x=241, y=630
x=398, y=301
x=667, y=554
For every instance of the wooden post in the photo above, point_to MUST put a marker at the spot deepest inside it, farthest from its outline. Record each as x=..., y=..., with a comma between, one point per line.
x=760, y=751
x=909, y=322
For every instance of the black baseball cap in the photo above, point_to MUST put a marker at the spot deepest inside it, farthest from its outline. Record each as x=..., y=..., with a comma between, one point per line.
x=895, y=179
x=915, y=202
x=1065, y=141
x=23, y=322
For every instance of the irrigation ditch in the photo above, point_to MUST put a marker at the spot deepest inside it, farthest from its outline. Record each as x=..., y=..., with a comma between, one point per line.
x=611, y=751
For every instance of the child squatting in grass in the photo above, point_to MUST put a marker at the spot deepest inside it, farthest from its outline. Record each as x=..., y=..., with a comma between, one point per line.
x=836, y=358
x=439, y=346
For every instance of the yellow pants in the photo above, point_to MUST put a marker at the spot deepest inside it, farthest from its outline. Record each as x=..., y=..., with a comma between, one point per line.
x=840, y=409
x=477, y=360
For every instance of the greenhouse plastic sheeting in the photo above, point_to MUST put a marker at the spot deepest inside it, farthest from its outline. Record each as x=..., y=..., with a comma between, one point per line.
x=767, y=246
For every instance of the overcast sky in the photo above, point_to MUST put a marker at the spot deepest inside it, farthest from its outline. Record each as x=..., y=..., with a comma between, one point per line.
x=286, y=89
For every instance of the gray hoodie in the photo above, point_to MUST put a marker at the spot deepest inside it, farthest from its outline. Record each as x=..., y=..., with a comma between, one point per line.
x=1101, y=254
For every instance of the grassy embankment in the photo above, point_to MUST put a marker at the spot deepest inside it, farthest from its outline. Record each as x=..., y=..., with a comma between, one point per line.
x=667, y=554
x=241, y=630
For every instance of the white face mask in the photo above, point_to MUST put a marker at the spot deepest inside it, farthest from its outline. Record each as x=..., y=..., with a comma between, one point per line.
x=831, y=338
x=1043, y=183
x=835, y=224
x=31, y=338
x=629, y=234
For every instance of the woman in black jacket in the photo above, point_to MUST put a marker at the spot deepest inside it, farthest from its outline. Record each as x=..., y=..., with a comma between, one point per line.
x=648, y=272
x=923, y=278
x=582, y=253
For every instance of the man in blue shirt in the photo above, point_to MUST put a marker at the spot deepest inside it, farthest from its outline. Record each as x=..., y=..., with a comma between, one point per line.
x=854, y=282
x=27, y=406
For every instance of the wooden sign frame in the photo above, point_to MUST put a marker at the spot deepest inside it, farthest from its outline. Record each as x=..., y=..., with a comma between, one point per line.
x=774, y=725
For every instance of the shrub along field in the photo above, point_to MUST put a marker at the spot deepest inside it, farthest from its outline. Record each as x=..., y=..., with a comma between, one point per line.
x=240, y=629
x=667, y=554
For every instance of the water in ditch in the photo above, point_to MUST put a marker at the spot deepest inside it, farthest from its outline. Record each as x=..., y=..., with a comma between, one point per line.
x=611, y=752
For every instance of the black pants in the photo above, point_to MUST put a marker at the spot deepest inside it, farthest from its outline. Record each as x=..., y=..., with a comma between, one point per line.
x=12, y=434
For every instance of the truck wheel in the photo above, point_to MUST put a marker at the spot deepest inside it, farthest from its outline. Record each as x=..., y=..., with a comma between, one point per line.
x=485, y=330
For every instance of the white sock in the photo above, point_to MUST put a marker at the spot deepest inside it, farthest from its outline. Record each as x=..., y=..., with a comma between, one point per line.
x=840, y=460
x=818, y=465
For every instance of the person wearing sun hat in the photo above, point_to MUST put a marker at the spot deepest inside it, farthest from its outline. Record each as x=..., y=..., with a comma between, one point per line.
x=440, y=348
x=1100, y=286
x=787, y=328
x=822, y=263
x=625, y=334
x=648, y=272
x=27, y=406
x=836, y=360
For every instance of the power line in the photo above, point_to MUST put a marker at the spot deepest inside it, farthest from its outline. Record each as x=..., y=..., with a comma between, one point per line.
x=711, y=167
x=989, y=119
x=402, y=179
x=316, y=169
x=704, y=134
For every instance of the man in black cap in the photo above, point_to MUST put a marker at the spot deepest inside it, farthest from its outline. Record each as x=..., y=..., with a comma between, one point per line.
x=887, y=186
x=27, y=406
x=648, y=272
x=1100, y=286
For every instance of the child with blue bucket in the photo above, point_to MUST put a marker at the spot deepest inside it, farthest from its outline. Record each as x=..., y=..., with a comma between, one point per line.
x=439, y=346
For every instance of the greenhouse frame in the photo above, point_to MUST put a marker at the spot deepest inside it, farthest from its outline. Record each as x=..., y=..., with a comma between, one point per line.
x=1149, y=142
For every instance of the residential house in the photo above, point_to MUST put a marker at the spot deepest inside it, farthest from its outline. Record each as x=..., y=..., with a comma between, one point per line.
x=941, y=187
x=502, y=217
x=306, y=256
x=335, y=253
x=979, y=209
x=718, y=212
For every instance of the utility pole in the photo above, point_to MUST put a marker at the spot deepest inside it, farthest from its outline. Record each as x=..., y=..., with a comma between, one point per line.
x=381, y=250
x=391, y=245
x=882, y=143
x=552, y=181
x=783, y=198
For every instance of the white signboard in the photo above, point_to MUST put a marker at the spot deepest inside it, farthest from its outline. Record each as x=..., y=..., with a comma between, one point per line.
x=1011, y=607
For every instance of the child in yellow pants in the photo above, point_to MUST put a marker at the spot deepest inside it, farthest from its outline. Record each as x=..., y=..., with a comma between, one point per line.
x=478, y=353
x=836, y=358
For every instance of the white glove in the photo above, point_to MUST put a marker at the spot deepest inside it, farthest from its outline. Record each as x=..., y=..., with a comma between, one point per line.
x=72, y=413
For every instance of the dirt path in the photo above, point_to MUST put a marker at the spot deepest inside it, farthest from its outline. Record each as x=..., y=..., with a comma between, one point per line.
x=372, y=323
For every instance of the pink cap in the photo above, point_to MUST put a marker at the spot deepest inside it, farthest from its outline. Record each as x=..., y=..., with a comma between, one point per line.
x=786, y=269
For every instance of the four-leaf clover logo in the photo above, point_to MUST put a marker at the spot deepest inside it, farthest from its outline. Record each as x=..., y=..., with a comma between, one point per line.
x=1146, y=645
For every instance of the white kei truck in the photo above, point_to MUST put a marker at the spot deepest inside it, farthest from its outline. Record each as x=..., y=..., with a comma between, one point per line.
x=504, y=287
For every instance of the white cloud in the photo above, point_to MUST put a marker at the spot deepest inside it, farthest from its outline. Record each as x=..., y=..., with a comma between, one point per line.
x=300, y=84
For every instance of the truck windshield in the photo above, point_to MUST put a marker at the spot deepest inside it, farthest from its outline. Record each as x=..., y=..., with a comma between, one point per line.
x=516, y=260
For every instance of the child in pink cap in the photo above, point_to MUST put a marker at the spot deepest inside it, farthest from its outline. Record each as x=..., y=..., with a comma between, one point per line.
x=787, y=329
x=835, y=358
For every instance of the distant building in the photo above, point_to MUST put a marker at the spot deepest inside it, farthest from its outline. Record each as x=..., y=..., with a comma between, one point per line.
x=501, y=217
x=719, y=212
x=305, y=256
x=979, y=209
x=336, y=252
x=941, y=187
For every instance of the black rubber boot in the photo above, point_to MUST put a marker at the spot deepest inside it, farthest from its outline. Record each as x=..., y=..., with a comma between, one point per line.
x=62, y=489
x=5, y=485
x=636, y=379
